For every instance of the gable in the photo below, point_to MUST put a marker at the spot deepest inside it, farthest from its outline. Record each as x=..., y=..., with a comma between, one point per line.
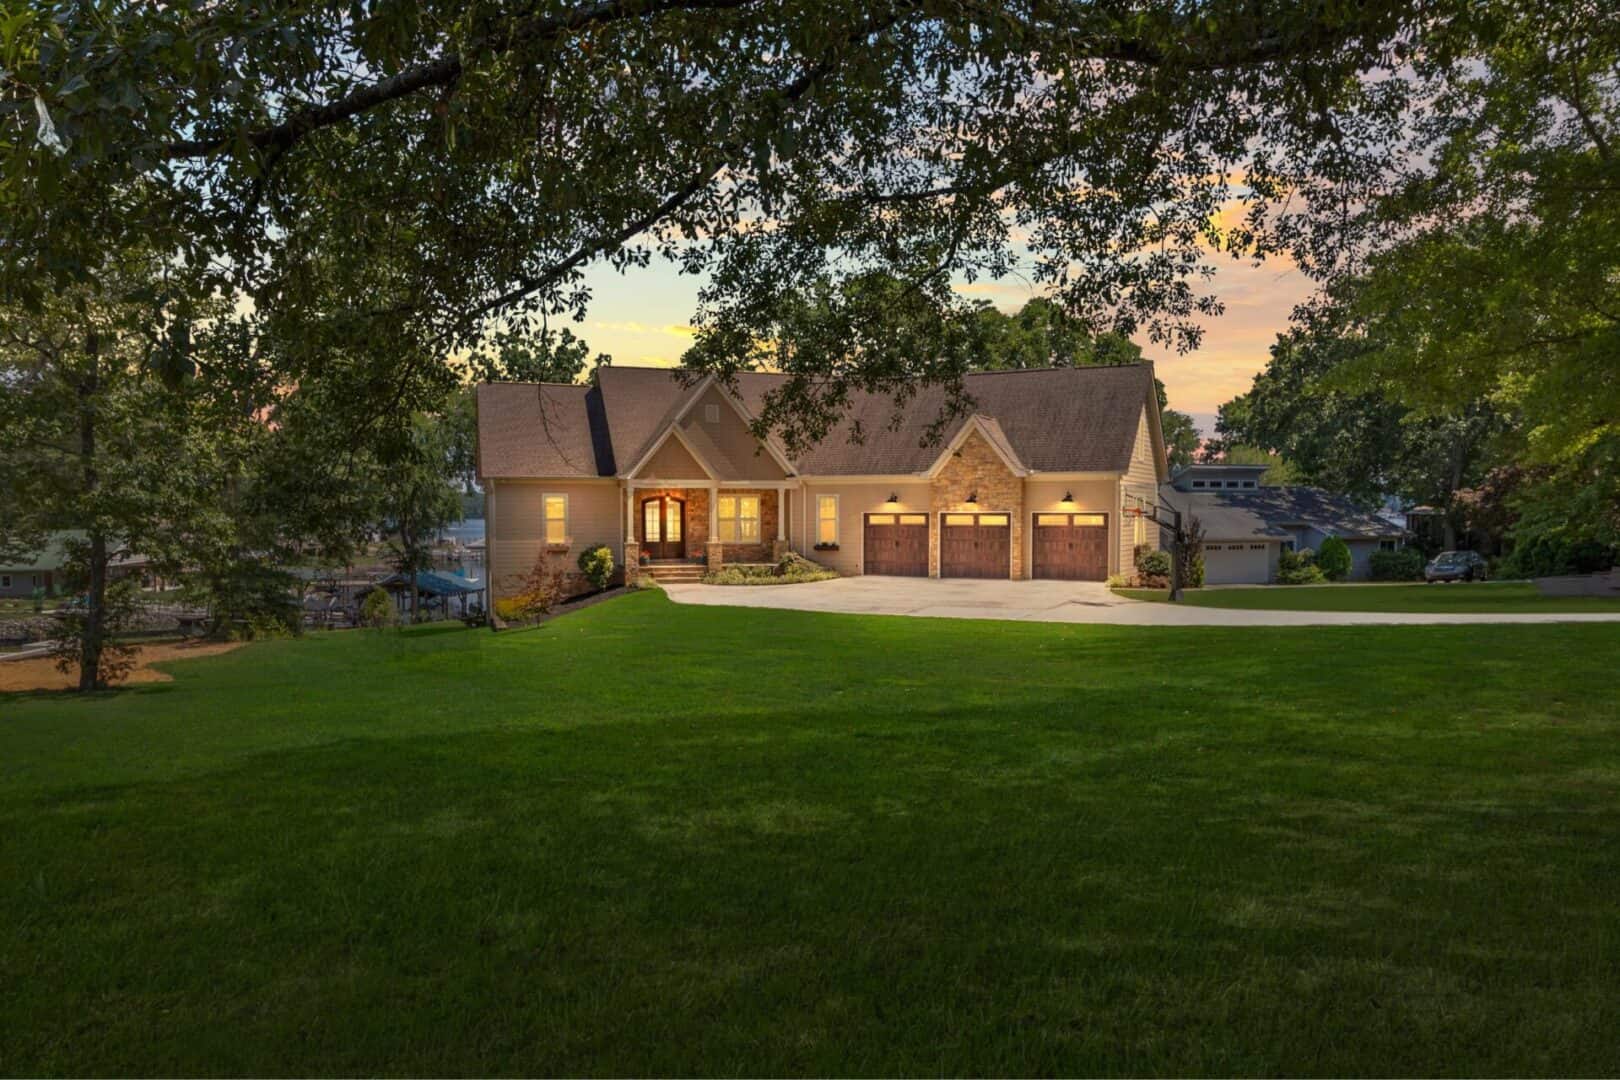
x=673, y=461
x=714, y=426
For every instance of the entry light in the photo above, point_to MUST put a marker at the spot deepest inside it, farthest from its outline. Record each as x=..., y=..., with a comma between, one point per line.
x=894, y=499
x=973, y=498
x=1068, y=498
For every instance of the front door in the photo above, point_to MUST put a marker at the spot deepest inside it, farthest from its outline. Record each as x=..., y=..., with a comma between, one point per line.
x=663, y=528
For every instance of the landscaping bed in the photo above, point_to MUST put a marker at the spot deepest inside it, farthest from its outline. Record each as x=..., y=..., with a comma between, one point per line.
x=1483, y=597
x=792, y=570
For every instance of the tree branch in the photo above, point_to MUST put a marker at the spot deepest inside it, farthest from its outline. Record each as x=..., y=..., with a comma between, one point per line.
x=442, y=72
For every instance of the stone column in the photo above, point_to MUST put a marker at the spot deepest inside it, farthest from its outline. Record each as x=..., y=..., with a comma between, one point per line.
x=632, y=562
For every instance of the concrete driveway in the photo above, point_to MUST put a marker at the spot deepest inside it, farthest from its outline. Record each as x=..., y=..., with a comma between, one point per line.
x=1049, y=601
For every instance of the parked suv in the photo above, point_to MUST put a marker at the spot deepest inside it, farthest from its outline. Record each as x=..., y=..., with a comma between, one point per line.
x=1455, y=566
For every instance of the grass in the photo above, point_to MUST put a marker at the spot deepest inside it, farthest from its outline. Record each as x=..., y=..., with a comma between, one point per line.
x=657, y=839
x=1485, y=597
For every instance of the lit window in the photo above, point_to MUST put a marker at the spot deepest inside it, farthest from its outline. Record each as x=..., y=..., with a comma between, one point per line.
x=994, y=519
x=880, y=519
x=826, y=519
x=554, y=511
x=959, y=519
x=1051, y=519
x=739, y=518
x=913, y=519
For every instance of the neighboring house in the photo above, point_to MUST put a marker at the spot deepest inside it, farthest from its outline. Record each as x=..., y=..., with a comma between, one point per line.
x=1247, y=525
x=37, y=570
x=1031, y=483
x=44, y=569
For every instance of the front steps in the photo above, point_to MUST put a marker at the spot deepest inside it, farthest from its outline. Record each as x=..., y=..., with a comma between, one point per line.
x=682, y=573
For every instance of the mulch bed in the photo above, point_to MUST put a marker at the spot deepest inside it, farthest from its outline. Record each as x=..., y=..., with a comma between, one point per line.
x=567, y=607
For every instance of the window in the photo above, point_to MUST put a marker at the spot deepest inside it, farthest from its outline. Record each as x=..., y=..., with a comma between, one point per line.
x=554, y=513
x=1232, y=484
x=880, y=519
x=1386, y=545
x=1288, y=545
x=994, y=519
x=1051, y=519
x=959, y=519
x=1257, y=547
x=913, y=519
x=1248, y=483
x=1198, y=483
x=5, y=581
x=711, y=414
x=826, y=519
x=739, y=518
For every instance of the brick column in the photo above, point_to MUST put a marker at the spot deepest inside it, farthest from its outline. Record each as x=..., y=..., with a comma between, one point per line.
x=717, y=554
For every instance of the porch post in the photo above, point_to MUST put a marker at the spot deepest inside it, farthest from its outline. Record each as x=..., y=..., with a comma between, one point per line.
x=781, y=513
x=714, y=551
x=632, y=550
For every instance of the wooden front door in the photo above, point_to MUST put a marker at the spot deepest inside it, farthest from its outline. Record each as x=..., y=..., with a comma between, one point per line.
x=896, y=544
x=663, y=527
x=1070, y=547
x=975, y=546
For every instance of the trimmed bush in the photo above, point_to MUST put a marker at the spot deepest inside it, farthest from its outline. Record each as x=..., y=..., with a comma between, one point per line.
x=1195, y=572
x=1403, y=565
x=1333, y=559
x=1549, y=556
x=1151, y=563
x=378, y=610
x=1302, y=575
x=596, y=563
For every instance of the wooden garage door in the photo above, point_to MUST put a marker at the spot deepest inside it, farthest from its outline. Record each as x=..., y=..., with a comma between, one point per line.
x=897, y=544
x=975, y=545
x=1070, y=547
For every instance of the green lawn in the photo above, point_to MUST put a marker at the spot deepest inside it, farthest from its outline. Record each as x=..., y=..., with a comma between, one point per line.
x=1490, y=596
x=655, y=839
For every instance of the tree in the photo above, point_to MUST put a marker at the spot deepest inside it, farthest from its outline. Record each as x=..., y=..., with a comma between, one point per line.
x=1180, y=438
x=771, y=146
x=418, y=497
x=90, y=437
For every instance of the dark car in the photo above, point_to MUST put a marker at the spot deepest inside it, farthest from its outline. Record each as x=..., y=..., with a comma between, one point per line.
x=1455, y=566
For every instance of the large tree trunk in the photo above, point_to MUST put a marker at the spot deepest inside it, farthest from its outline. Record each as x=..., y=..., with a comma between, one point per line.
x=95, y=614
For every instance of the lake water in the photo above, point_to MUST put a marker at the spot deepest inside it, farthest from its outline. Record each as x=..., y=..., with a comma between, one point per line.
x=465, y=531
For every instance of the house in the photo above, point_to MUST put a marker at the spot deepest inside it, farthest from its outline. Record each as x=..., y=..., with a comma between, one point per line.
x=1248, y=525
x=1030, y=483
x=42, y=569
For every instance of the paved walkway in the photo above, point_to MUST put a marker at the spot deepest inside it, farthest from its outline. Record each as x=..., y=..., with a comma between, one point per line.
x=1052, y=601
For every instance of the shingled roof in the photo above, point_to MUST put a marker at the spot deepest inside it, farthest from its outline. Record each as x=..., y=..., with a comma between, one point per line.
x=1269, y=512
x=1051, y=420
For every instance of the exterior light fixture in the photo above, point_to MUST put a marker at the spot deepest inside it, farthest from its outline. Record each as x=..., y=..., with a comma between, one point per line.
x=1068, y=497
x=973, y=498
x=894, y=499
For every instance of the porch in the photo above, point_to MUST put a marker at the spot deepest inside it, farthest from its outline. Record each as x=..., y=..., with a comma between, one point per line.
x=675, y=531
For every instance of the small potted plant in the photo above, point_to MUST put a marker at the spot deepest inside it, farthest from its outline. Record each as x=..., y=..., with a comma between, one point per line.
x=645, y=559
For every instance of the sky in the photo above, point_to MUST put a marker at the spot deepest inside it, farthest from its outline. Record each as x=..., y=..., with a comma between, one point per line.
x=642, y=318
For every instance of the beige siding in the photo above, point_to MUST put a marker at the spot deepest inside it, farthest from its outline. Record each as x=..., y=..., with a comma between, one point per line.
x=1096, y=495
x=732, y=436
x=517, y=530
x=855, y=501
x=673, y=462
x=1141, y=479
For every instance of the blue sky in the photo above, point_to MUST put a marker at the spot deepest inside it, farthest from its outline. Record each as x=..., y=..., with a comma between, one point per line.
x=642, y=318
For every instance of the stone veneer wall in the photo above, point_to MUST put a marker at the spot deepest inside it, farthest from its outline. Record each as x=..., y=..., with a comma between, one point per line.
x=976, y=468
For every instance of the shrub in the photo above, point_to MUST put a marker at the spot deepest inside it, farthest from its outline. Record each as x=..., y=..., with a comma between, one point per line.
x=1152, y=563
x=378, y=610
x=1334, y=559
x=596, y=564
x=1548, y=555
x=793, y=569
x=1117, y=581
x=1403, y=565
x=1195, y=572
x=534, y=594
x=1307, y=574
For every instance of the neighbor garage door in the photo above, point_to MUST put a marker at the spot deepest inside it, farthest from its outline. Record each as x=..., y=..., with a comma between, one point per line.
x=975, y=546
x=1236, y=564
x=1070, y=547
x=896, y=544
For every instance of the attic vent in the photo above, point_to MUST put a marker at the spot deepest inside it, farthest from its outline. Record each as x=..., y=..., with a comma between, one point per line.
x=711, y=414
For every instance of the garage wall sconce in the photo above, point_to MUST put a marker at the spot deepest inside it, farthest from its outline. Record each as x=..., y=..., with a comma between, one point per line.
x=1068, y=498
x=893, y=500
x=973, y=498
